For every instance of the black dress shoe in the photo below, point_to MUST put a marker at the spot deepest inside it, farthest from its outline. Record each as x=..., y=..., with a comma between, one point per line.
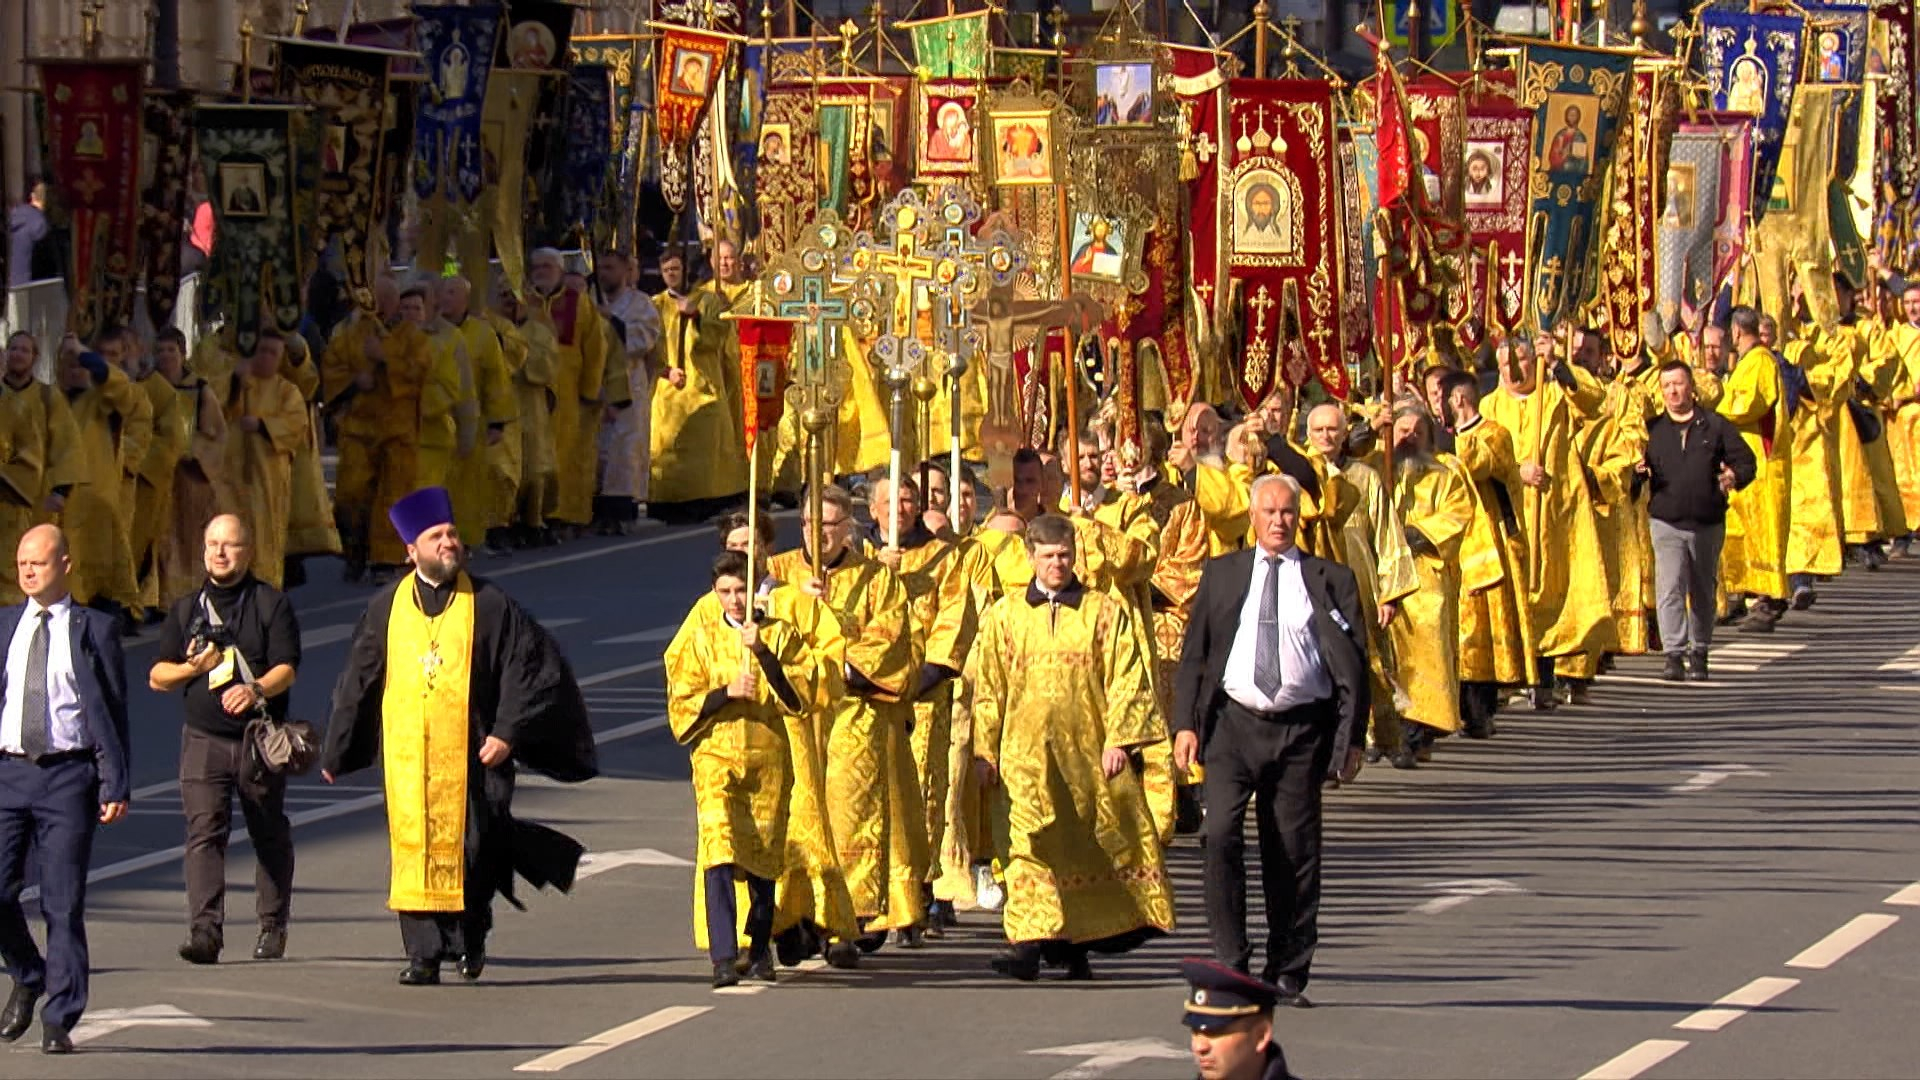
x=421, y=973
x=724, y=975
x=201, y=948
x=1020, y=962
x=1298, y=1000
x=871, y=943
x=55, y=1040
x=472, y=963
x=1676, y=669
x=760, y=965
x=17, y=1017
x=843, y=955
x=1697, y=666
x=1079, y=969
x=272, y=944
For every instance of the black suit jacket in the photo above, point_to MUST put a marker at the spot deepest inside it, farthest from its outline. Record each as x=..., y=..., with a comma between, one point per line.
x=1198, y=696
x=100, y=670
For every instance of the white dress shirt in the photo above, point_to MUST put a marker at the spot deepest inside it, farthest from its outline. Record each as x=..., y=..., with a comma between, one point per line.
x=69, y=723
x=1303, y=674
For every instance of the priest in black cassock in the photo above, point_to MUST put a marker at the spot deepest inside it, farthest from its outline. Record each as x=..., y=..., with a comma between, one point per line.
x=448, y=687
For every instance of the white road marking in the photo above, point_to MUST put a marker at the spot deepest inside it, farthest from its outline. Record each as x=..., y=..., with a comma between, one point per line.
x=1685, y=687
x=1737, y=1004
x=1907, y=663
x=1637, y=1060
x=658, y=633
x=599, y=862
x=1104, y=1057
x=1907, y=897
x=107, y=1021
x=1746, y=657
x=612, y=1038
x=1831, y=949
x=1707, y=778
x=1460, y=892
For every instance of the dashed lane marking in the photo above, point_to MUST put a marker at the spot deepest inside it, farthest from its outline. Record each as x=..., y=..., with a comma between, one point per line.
x=612, y=1038
x=1831, y=949
x=1738, y=1004
x=1907, y=897
x=1637, y=1060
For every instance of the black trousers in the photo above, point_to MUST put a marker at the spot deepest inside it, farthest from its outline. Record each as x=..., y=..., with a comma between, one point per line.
x=432, y=936
x=51, y=811
x=1278, y=762
x=212, y=771
x=723, y=913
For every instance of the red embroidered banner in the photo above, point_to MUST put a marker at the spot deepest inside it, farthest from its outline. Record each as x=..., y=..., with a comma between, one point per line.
x=1735, y=131
x=687, y=66
x=1420, y=243
x=95, y=116
x=1498, y=143
x=1279, y=186
x=1628, y=273
x=764, y=347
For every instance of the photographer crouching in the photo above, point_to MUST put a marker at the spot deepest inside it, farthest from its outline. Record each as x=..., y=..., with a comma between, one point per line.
x=233, y=647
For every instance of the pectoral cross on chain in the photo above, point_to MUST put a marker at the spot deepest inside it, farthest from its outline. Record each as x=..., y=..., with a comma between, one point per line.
x=430, y=666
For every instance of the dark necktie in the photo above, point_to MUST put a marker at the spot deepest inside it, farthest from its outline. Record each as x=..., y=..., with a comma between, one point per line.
x=36, y=713
x=1266, y=643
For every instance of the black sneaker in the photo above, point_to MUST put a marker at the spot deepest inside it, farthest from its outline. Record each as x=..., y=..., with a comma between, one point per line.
x=1697, y=666
x=272, y=944
x=724, y=975
x=760, y=965
x=201, y=947
x=1676, y=670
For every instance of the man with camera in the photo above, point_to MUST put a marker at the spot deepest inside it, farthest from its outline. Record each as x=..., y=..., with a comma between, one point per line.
x=233, y=647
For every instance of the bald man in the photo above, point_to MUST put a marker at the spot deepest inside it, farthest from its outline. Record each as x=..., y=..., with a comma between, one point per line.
x=63, y=773
x=232, y=650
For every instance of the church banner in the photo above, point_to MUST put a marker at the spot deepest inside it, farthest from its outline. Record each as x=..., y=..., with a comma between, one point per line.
x=1202, y=100
x=511, y=99
x=687, y=65
x=1837, y=55
x=1689, y=224
x=1891, y=52
x=589, y=125
x=1734, y=131
x=1628, y=274
x=1439, y=136
x=1577, y=96
x=93, y=126
x=1421, y=247
x=345, y=86
x=1753, y=64
x=621, y=55
x=764, y=347
x=457, y=44
x=724, y=16
x=1358, y=170
x=246, y=157
x=953, y=47
x=1794, y=241
x=537, y=36
x=1499, y=148
x=1282, y=238
x=165, y=160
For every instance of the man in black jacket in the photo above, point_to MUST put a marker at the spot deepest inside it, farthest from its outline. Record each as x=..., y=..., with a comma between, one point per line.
x=232, y=648
x=1271, y=693
x=1694, y=458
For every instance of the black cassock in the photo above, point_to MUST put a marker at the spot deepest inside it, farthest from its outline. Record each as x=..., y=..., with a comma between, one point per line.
x=523, y=692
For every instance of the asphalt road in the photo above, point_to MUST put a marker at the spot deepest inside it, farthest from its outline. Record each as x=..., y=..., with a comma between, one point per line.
x=1570, y=899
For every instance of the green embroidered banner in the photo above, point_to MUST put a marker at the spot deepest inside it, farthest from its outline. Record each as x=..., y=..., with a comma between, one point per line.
x=954, y=47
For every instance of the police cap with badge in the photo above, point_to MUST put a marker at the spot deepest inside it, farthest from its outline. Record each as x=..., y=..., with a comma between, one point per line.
x=1218, y=995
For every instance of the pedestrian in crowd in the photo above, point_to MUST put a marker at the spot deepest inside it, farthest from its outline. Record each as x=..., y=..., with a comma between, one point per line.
x=1694, y=459
x=233, y=650
x=1230, y=1016
x=1271, y=693
x=63, y=772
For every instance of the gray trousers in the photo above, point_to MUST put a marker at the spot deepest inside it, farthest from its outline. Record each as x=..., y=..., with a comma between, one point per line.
x=1686, y=579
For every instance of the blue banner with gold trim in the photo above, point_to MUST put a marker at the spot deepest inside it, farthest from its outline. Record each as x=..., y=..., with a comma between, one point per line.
x=1753, y=64
x=457, y=47
x=1577, y=96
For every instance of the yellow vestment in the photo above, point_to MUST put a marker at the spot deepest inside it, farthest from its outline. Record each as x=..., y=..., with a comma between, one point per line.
x=425, y=741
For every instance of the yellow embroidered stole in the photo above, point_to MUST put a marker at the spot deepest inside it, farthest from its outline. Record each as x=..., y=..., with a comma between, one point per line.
x=424, y=741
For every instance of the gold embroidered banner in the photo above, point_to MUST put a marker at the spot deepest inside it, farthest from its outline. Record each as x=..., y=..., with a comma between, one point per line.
x=94, y=119
x=346, y=88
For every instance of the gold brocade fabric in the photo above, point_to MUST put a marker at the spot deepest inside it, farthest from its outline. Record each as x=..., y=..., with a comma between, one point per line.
x=580, y=338
x=865, y=761
x=1435, y=498
x=699, y=451
x=107, y=415
x=1225, y=496
x=1872, y=507
x=476, y=503
x=1754, y=560
x=1616, y=445
x=1903, y=423
x=1365, y=536
x=1814, y=521
x=425, y=742
x=38, y=452
x=260, y=465
x=1570, y=604
x=1494, y=644
x=1055, y=687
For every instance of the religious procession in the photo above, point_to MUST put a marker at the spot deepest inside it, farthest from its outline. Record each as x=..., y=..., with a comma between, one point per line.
x=1177, y=422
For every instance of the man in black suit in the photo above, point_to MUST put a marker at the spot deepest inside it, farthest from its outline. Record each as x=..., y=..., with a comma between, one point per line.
x=1271, y=692
x=63, y=770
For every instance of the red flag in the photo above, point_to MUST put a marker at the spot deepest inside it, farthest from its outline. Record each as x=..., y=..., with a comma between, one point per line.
x=764, y=348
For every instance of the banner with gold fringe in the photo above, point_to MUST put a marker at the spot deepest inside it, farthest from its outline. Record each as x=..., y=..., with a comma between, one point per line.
x=1627, y=271
x=345, y=88
x=1200, y=85
x=622, y=56
x=1794, y=242
x=165, y=160
x=1499, y=149
x=1689, y=223
x=95, y=114
x=1891, y=44
x=952, y=47
x=590, y=103
x=246, y=157
x=1282, y=239
x=1752, y=62
x=688, y=64
x=765, y=345
x=511, y=98
x=1578, y=96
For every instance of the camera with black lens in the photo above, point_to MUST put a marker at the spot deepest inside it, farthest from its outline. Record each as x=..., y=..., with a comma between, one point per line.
x=201, y=633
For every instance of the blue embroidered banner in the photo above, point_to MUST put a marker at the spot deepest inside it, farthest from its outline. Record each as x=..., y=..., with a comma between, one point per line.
x=456, y=47
x=1753, y=65
x=589, y=147
x=1577, y=96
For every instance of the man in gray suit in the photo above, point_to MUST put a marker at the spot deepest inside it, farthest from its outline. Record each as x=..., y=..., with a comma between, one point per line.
x=1270, y=694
